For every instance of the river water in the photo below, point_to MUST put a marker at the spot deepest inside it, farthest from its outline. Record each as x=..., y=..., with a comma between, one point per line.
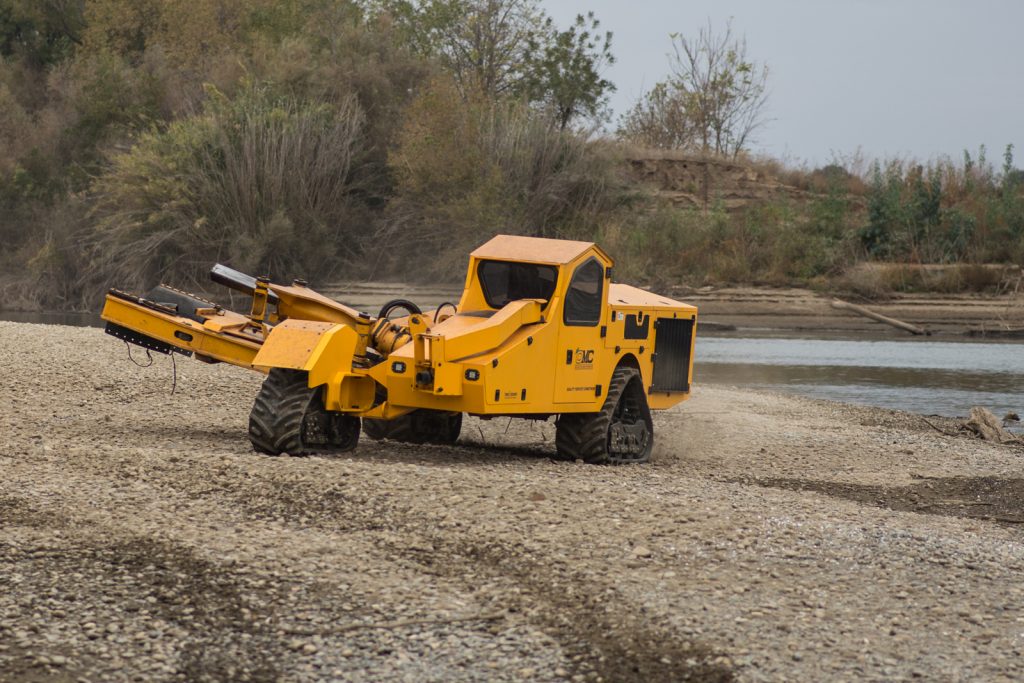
x=927, y=377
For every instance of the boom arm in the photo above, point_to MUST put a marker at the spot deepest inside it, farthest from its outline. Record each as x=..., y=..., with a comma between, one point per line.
x=296, y=301
x=169, y=320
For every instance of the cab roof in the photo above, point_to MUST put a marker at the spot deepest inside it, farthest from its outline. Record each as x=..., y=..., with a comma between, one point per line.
x=534, y=249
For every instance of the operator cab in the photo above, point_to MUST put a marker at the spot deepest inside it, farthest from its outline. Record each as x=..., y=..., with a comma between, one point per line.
x=510, y=268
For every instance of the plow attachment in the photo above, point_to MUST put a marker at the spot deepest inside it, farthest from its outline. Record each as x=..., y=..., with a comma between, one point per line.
x=182, y=324
x=168, y=320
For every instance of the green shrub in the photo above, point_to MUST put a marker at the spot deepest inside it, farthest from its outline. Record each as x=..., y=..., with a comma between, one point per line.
x=465, y=170
x=942, y=213
x=777, y=243
x=660, y=246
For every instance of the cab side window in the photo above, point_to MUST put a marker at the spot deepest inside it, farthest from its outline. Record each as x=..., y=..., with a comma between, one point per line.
x=583, y=298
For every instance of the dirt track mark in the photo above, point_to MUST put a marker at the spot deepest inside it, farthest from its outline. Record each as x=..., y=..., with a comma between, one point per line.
x=596, y=626
x=588, y=618
x=17, y=511
x=984, y=498
x=206, y=599
x=151, y=582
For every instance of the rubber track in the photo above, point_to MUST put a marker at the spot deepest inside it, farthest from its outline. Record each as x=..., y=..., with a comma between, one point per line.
x=584, y=436
x=275, y=423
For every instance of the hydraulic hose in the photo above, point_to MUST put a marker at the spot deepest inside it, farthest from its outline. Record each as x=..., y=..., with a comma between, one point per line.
x=388, y=336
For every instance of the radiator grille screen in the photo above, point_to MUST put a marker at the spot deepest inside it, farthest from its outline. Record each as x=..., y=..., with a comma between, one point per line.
x=672, y=354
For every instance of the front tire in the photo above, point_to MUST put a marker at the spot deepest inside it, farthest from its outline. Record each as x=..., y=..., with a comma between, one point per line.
x=289, y=417
x=622, y=432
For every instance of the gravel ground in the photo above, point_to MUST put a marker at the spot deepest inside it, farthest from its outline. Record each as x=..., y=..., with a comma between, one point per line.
x=771, y=538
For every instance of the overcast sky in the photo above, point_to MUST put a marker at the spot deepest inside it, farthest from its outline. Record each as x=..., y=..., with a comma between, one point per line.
x=919, y=78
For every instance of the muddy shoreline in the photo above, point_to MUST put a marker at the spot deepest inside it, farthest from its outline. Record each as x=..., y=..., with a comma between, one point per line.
x=771, y=537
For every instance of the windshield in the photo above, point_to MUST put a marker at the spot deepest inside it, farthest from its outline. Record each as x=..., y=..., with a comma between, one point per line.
x=505, y=281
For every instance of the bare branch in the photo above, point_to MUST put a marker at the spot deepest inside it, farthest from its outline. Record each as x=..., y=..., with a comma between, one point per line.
x=714, y=101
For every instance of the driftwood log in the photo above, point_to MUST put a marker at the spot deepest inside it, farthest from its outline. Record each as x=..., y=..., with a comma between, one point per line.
x=860, y=310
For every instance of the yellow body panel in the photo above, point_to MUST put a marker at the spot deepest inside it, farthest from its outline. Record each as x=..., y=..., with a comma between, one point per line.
x=490, y=333
x=325, y=351
x=294, y=344
x=518, y=384
x=302, y=303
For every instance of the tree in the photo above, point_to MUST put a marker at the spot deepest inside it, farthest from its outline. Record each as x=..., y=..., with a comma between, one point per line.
x=124, y=27
x=659, y=119
x=41, y=31
x=266, y=182
x=485, y=44
x=565, y=70
x=501, y=49
x=714, y=100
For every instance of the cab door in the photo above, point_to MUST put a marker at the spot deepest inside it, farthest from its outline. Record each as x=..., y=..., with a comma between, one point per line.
x=578, y=363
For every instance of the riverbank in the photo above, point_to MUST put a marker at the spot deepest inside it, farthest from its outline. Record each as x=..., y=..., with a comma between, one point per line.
x=771, y=537
x=747, y=311
x=804, y=312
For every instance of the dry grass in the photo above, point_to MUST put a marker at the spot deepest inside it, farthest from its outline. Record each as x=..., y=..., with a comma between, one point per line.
x=880, y=280
x=262, y=182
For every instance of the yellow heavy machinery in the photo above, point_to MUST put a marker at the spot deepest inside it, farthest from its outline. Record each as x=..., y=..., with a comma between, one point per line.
x=540, y=331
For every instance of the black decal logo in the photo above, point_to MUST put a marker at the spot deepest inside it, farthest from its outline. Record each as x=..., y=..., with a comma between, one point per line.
x=584, y=359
